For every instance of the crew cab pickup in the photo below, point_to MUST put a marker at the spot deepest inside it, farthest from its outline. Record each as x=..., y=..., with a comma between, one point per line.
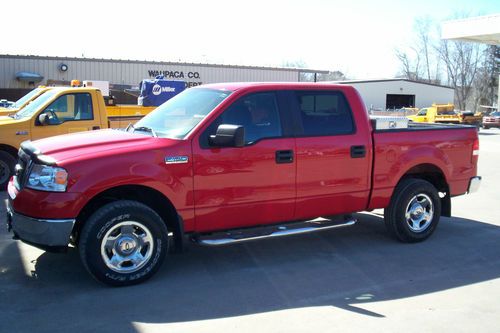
x=55, y=111
x=226, y=163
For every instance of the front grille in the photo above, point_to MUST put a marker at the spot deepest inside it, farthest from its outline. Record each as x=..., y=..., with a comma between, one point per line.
x=22, y=169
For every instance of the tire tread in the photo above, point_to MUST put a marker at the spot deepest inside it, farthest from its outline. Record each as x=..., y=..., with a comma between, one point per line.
x=96, y=218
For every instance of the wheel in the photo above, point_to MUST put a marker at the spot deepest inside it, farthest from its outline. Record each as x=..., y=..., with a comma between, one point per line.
x=485, y=127
x=123, y=243
x=7, y=164
x=414, y=211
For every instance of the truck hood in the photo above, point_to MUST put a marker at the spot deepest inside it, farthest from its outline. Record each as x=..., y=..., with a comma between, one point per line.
x=6, y=120
x=7, y=111
x=97, y=144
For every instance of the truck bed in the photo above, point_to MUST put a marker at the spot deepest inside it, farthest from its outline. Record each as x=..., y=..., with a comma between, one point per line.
x=397, y=152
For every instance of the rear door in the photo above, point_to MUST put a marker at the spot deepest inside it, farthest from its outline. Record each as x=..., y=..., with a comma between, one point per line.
x=251, y=185
x=333, y=156
x=69, y=113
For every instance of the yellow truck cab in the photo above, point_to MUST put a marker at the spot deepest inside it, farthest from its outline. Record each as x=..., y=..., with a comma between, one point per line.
x=23, y=101
x=60, y=110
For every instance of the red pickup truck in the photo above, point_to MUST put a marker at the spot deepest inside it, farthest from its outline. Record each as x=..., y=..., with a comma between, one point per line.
x=225, y=163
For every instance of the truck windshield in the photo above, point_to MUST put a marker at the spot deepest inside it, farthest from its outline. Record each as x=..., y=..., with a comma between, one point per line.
x=175, y=118
x=35, y=105
x=23, y=100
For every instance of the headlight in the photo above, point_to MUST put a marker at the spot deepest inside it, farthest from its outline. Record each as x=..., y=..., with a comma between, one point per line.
x=47, y=178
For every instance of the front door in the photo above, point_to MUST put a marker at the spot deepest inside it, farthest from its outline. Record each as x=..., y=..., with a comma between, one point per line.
x=69, y=113
x=251, y=185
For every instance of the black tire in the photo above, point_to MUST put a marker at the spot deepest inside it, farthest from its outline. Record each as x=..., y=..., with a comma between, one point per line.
x=411, y=191
x=140, y=220
x=485, y=127
x=7, y=165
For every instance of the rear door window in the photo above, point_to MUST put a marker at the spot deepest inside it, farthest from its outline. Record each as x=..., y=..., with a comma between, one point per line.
x=325, y=113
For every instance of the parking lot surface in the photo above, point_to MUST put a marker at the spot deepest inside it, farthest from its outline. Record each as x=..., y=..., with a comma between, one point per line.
x=350, y=279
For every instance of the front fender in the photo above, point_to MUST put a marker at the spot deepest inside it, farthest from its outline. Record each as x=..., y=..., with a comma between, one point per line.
x=148, y=168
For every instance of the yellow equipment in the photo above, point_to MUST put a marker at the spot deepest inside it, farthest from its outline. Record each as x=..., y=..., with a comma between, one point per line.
x=445, y=113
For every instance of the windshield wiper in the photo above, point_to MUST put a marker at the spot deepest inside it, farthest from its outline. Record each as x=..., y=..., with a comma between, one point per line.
x=142, y=128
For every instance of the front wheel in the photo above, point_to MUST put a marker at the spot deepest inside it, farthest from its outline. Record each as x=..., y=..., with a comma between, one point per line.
x=123, y=243
x=414, y=211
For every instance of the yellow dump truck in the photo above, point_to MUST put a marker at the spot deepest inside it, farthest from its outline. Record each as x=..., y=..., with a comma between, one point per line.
x=23, y=101
x=446, y=114
x=60, y=110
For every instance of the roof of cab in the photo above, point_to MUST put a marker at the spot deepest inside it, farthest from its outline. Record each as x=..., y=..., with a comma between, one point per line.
x=234, y=86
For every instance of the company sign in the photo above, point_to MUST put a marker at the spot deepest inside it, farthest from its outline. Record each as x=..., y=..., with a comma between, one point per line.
x=191, y=78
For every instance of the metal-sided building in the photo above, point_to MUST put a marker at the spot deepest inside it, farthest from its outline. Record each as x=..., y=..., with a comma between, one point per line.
x=397, y=93
x=19, y=73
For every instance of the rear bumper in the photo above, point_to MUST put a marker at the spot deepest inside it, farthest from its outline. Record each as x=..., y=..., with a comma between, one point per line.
x=474, y=184
x=47, y=234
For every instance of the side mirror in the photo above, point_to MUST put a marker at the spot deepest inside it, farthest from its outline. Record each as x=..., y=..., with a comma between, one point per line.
x=43, y=119
x=228, y=136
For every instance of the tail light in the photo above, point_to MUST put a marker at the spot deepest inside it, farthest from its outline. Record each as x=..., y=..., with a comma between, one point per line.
x=475, y=147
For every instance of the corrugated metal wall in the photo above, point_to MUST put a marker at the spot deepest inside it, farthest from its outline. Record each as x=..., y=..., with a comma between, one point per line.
x=131, y=72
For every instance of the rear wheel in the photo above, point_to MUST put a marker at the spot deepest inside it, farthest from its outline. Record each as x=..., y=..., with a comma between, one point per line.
x=123, y=243
x=414, y=211
x=7, y=164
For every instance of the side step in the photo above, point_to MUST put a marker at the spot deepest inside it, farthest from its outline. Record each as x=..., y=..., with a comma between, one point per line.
x=294, y=228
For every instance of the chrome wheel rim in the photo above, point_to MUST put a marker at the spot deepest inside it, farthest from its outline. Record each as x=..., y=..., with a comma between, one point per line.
x=419, y=213
x=127, y=247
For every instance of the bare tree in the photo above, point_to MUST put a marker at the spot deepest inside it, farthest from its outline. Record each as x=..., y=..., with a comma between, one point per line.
x=303, y=76
x=462, y=62
x=421, y=62
x=486, y=81
x=422, y=27
x=410, y=64
x=428, y=58
x=294, y=63
x=332, y=76
x=309, y=76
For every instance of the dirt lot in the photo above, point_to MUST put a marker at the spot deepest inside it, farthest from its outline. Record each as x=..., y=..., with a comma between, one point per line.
x=351, y=279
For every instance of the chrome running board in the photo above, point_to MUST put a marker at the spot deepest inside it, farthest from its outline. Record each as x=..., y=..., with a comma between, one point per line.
x=295, y=228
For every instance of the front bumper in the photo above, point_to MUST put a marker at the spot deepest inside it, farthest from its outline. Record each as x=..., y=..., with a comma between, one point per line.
x=474, y=184
x=43, y=233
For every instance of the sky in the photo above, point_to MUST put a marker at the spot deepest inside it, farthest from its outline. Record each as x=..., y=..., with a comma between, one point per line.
x=358, y=38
